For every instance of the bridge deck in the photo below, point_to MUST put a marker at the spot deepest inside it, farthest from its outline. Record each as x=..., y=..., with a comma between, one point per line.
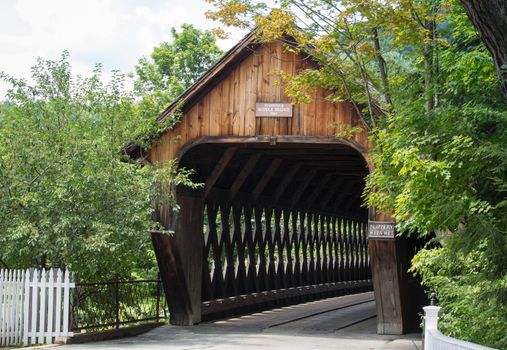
x=347, y=322
x=324, y=316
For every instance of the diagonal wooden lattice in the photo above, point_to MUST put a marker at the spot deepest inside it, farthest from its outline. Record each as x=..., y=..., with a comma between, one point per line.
x=254, y=249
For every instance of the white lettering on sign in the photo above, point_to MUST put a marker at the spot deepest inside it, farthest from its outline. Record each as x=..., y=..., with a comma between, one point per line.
x=381, y=229
x=273, y=109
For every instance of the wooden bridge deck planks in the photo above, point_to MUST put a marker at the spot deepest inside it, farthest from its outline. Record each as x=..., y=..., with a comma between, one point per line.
x=327, y=315
x=335, y=320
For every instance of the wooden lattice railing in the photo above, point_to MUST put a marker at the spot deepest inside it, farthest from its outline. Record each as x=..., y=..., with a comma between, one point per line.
x=252, y=251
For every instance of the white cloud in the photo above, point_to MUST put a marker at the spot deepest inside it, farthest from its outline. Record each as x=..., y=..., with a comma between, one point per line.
x=115, y=33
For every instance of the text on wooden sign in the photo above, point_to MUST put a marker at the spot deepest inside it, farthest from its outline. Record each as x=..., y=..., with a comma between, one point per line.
x=381, y=229
x=273, y=109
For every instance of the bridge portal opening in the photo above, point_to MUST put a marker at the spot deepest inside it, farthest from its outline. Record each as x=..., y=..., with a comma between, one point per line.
x=282, y=223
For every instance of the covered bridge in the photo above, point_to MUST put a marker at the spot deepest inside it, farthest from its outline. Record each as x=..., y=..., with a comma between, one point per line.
x=279, y=219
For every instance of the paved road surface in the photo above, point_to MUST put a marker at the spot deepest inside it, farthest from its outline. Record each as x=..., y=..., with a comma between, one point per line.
x=342, y=323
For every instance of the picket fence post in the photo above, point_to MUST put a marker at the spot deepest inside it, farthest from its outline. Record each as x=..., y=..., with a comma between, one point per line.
x=26, y=306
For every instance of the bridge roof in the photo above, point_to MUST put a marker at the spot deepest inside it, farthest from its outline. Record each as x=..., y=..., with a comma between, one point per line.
x=231, y=59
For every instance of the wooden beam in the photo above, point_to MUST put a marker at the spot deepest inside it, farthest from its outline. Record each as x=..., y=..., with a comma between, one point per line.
x=295, y=142
x=331, y=193
x=268, y=175
x=318, y=189
x=303, y=185
x=297, y=154
x=247, y=169
x=219, y=168
x=285, y=182
x=344, y=204
x=354, y=205
x=221, y=195
x=332, y=170
x=342, y=195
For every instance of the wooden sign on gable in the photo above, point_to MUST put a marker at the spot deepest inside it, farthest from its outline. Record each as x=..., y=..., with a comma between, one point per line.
x=273, y=109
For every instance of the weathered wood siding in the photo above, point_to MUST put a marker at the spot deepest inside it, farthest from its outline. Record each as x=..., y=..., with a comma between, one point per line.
x=228, y=109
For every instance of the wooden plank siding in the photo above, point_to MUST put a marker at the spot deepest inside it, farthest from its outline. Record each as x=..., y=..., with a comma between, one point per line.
x=228, y=108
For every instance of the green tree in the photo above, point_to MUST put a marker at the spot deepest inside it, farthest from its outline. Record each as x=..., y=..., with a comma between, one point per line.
x=68, y=195
x=173, y=66
x=445, y=171
x=426, y=87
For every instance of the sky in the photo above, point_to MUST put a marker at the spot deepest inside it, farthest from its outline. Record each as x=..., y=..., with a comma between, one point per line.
x=115, y=33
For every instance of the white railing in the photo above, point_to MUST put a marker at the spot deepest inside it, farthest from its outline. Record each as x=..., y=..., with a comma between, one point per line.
x=434, y=340
x=34, y=306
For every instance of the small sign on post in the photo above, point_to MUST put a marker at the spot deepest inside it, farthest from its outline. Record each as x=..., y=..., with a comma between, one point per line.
x=273, y=109
x=381, y=229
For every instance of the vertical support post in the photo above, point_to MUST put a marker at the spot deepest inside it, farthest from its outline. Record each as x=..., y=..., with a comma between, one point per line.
x=158, y=298
x=388, y=280
x=430, y=323
x=117, y=303
x=386, y=284
x=180, y=259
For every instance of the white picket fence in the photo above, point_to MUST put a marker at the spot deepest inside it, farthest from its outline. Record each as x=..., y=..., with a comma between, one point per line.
x=34, y=306
x=435, y=340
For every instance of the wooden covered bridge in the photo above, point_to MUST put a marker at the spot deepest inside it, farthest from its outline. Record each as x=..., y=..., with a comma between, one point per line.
x=279, y=220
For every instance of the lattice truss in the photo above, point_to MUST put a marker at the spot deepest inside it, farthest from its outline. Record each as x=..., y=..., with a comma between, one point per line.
x=253, y=249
